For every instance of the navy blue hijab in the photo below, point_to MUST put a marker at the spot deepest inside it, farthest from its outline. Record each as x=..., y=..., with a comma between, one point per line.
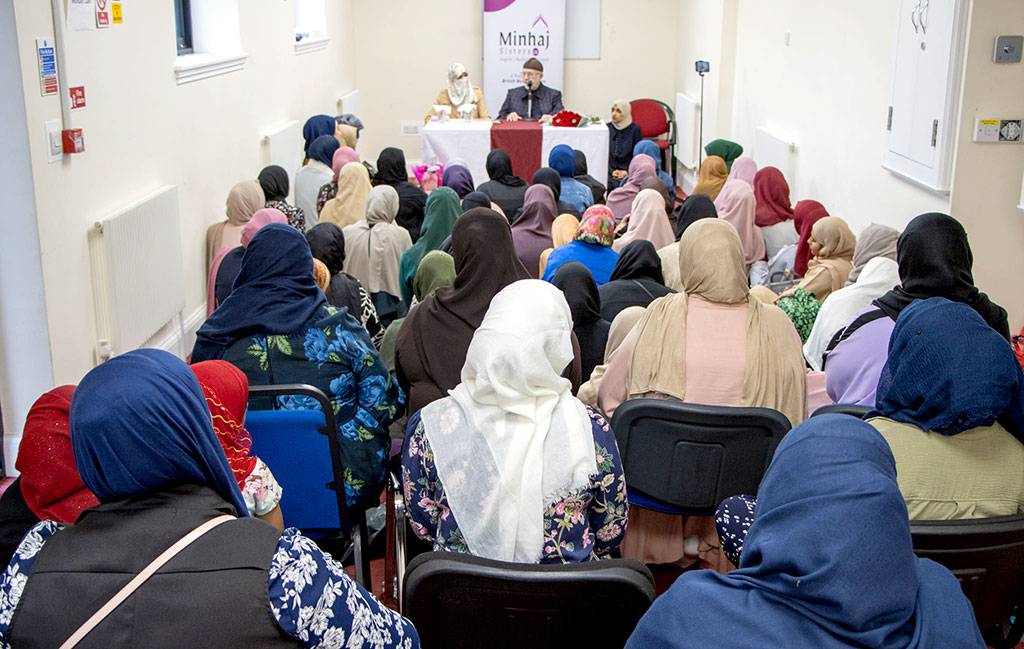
x=828, y=562
x=949, y=371
x=322, y=149
x=314, y=127
x=275, y=293
x=139, y=422
x=563, y=160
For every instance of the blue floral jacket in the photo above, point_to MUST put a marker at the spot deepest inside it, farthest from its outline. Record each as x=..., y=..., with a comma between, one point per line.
x=580, y=526
x=336, y=355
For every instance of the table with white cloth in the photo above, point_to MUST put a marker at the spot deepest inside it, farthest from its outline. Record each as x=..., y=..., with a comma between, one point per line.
x=471, y=141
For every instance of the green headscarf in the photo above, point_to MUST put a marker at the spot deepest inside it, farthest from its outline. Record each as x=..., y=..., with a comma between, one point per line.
x=437, y=269
x=802, y=308
x=439, y=215
x=724, y=149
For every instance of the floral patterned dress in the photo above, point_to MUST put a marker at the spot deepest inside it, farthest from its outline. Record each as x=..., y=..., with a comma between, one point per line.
x=579, y=526
x=310, y=596
x=295, y=217
x=336, y=355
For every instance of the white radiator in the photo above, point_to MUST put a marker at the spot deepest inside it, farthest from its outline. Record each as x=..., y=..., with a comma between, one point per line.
x=686, y=130
x=138, y=277
x=283, y=147
x=772, y=150
x=351, y=103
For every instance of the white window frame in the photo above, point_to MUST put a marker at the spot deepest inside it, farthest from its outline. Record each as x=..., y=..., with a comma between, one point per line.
x=216, y=42
x=310, y=26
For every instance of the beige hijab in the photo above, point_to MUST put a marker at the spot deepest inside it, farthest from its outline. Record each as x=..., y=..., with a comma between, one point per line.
x=647, y=220
x=349, y=206
x=711, y=267
x=828, y=270
x=243, y=201
x=563, y=229
x=346, y=135
x=374, y=246
x=623, y=323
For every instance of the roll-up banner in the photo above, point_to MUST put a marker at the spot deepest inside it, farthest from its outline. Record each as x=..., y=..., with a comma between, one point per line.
x=514, y=31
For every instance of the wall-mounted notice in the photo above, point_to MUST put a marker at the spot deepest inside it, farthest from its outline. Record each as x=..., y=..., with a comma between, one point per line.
x=47, y=67
x=115, y=12
x=103, y=13
x=81, y=15
x=77, y=97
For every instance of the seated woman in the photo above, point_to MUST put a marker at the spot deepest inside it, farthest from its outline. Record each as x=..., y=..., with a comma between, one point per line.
x=375, y=247
x=774, y=214
x=349, y=205
x=875, y=241
x=440, y=214
x=228, y=261
x=716, y=344
x=581, y=174
x=829, y=495
x=650, y=148
x=636, y=280
x=950, y=403
x=459, y=93
x=563, y=160
x=805, y=214
x=274, y=182
x=648, y=221
x=144, y=444
x=831, y=245
x=457, y=176
x=342, y=157
x=621, y=326
x=580, y=291
x=727, y=150
x=511, y=426
x=563, y=231
x=432, y=343
x=736, y=204
x=531, y=233
x=227, y=396
x=391, y=171
x=693, y=209
x=591, y=246
x=935, y=260
x=623, y=136
x=504, y=187
x=711, y=177
x=313, y=176
x=48, y=487
x=548, y=176
x=243, y=201
x=620, y=199
x=327, y=244
x=436, y=269
x=277, y=327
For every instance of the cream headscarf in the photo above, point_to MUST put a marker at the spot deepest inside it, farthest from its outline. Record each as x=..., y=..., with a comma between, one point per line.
x=711, y=267
x=563, y=230
x=622, y=324
x=346, y=135
x=647, y=220
x=374, y=246
x=511, y=439
x=828, y=270
x=349, y=206
x=627, y=114
x=242, y=202
x=459, y=90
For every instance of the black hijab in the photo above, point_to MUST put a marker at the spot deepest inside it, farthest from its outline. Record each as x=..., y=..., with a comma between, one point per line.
x=935, y=260
x=580, y=290
x=327, y=243
x=548, y=176
x=390, y=167
x=638, y=260
x=694, y=208
x=475, y=199
x=580, y=168
x=274, y=181
x=499, y=168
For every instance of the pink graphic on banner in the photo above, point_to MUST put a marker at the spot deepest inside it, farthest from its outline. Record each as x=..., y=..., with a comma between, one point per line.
x=496, y=5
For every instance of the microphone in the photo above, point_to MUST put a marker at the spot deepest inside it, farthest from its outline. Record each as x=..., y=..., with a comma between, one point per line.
x=529, y=98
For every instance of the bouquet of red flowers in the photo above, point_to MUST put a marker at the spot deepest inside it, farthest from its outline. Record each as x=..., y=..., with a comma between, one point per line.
x=566, y=118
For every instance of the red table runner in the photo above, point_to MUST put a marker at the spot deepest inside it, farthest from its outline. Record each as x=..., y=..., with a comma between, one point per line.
x=522, y=141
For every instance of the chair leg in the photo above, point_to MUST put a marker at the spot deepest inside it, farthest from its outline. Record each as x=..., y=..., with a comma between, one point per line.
x=361, y=553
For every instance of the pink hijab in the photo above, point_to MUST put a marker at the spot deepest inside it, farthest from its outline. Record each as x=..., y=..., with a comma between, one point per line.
x=260, y=218
x=736, y=204
x=744, y=168
x=647, y=220
x=620, y=200
x=342, y=157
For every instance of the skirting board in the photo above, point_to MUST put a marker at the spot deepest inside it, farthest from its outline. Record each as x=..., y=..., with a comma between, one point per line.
x=172, y=342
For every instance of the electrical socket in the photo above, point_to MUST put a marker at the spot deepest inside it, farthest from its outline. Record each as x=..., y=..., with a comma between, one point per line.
x=54, y=146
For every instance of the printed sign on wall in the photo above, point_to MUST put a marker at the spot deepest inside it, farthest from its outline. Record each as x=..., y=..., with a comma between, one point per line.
x=514, y=31
x=47, y=67
x=103, y=13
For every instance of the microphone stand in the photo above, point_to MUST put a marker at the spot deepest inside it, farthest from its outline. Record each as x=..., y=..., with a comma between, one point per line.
x=529, y=100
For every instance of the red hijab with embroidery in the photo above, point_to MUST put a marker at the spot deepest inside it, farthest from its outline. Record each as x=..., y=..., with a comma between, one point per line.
x=805, y=215
x=50, y=483
x=227, y=395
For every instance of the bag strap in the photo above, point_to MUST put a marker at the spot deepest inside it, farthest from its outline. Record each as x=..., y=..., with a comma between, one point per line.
x=141, y=578
x=644, y=289
x=848, y=331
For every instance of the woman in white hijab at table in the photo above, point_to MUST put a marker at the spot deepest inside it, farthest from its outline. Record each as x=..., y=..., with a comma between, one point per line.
x=510, y=465
x=460, y=91
x=375, y=245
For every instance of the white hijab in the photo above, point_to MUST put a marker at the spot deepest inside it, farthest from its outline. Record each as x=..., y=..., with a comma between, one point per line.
x=511, y=439
x=460, y=91
x=841, y=307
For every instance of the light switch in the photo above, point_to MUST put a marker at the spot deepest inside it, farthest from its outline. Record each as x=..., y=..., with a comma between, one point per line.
x=1008, y=49
x=54, y=145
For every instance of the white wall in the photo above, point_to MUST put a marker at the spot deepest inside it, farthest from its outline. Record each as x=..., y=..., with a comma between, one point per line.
x=404, y=48
x=142, y=131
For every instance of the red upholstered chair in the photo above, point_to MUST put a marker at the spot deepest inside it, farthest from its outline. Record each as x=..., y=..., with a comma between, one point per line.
x=658, y=123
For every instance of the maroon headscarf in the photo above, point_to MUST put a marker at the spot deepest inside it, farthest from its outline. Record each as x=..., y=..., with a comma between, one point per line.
x=772, y=193
x=805, y=215
x=531, y=233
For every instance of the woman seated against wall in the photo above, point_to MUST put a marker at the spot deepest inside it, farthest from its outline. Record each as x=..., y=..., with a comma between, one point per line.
x=228, y=261
x=277, y=327
x=342, y=157
x=327, y=244
x=591, y=245
x=935, y=260
x=716, y=344
x=460, y=92
x=950, y=402
x=316, y=173
x=623, y=136
x=274, y=182
x=243, y=201
x=504, y=187
x=831, y=245
x=512, y=426
x=828, y=563
x=144, y=444
x=774, y=213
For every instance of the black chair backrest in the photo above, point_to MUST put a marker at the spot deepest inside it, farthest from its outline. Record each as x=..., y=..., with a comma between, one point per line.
x=692, y=456
x=985, y=554
x=842, y=409
x=457, y=600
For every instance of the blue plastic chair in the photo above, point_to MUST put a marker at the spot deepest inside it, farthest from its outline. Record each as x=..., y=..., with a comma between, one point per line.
x=302, y=451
